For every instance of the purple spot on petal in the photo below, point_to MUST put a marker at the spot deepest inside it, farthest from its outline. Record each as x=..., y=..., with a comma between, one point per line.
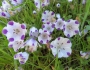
x=68, y=41
x=68, y=21
x=51, y=46
x=59, y=38
x=11, y=46
x=4, y=31
x=44, y=12
x=36, y=30
x=33, y=44
x=76, y=22
x=20, y=55
x=53, y=25
x=15, y=0
x=11, y=39
x=47, y=41
x=11, y=23
x=41, y=41
x=76, y=31
x=22, y=26
x=21, y=62
x=43, y=26
x=3, y=14
x=58, y=29
x=22, y=37
x=48, y=22
x=36, y=3
x=15, y=56
x=42, y=19
x=45, y=31
x=43, y=5
x=52, y=13
x=68, y=35
x=68, y=54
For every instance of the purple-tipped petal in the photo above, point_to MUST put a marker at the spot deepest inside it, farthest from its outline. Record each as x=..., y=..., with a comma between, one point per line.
x=11, y=39
x=3, y=14
x=11, y=23
x=36, y=3
x=53, y=25
x=41, y=41
x=23, y=26
x=21, y=62
x=76, y=22
x=11, y=45
x=43, y=26
x=22, y=37
x=68, y=41
x=51, y=46
x=68, y=35
x=59, y=38
x=52, y=13
x=76, y=31
x=68, y=21
x=68, y=54
x=4, y=31
x=42, y=19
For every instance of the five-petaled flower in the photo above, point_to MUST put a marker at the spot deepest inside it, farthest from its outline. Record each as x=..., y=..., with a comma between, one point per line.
x=44, y=36
x=59, y=24
x=48, y=16
x=61, y=47
x=71, y=28
x=14, y=31
x=41, y=3
x=48, y=27
x=22, y=57
x=33, y=32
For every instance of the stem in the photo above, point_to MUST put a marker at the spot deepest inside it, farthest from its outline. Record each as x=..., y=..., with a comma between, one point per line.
x=15, y=64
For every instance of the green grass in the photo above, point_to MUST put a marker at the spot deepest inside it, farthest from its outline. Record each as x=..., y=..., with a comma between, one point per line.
x=43, y=59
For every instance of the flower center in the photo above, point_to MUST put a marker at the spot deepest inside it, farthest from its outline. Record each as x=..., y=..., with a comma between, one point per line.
x=16, y=31
x=69, y=27
x=44, y=36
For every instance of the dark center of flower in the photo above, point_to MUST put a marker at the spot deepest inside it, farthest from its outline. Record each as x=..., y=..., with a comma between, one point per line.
x=69, y=27
x=16, y=31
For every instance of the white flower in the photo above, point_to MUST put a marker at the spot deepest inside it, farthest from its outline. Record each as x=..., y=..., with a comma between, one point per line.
x=61, y=47
x=48, y=16
x=84, y=1
x=41, y=3
x=44, y=36
x=34, y=12
x=14, y=31
x=33, y=32
x=31, y=45
x=58, y=5
x=48, y=27
x=71, y=28
x=16, y=2
x=5, y=5
x=22, y=57
x=84, y=54
x=59, y=24
x=16, y=45
x=69, y=0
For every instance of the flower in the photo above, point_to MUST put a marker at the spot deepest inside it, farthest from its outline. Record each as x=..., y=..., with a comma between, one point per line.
x=34, y=12
x=61, y=47
x=48, y=16
x=71, y=28
x=44, y=36
x=31, y=45
x=84, y=54
x=41, y=3
x=58, y=5
x=59, y=24
x=48, y=27
x=16, y=2
x=33, y=32
x=84, y=1
x=22, y=57
x=16, y=45
x=5, y=5
x=14, y=31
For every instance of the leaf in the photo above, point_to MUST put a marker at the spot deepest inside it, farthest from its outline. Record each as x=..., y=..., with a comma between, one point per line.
x=87, y=27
